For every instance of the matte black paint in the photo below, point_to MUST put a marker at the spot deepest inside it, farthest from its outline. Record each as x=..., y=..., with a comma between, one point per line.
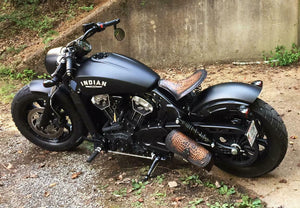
x=51, y=58
x=122, y=75
x=225, y=93
x=37, y=86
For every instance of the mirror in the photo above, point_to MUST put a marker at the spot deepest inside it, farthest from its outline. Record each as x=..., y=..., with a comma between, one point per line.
x=119, y=34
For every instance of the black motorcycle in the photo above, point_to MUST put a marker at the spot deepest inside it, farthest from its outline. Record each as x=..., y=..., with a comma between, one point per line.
x=123, y=107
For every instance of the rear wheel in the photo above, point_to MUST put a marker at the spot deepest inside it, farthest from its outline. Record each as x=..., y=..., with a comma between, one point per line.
x=60, y=134
x=268, y=149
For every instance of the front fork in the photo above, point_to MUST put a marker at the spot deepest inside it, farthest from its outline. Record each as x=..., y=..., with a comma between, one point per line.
x=49, y=111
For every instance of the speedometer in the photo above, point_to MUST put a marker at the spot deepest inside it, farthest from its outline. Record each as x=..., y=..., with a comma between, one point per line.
x=83, y=48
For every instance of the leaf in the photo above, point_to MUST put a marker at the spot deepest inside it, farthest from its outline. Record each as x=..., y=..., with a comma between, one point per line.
x=75, y=175
x=293, y=137
x=256, y=202
x=52, y=185
x=179, y=198
x=46, y=194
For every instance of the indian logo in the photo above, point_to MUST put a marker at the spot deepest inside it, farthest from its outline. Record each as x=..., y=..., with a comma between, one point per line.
x=93, y=83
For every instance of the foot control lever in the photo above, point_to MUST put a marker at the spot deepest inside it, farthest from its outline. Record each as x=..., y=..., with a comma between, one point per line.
x=94, y=154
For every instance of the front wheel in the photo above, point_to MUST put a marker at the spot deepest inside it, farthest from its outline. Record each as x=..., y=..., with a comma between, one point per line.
x=60, y=134
x=268, y=149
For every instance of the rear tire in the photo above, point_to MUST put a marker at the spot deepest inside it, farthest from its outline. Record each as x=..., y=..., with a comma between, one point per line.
x=270, y=146
x=27, y=108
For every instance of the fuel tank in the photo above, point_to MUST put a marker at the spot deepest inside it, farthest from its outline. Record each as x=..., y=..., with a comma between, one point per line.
x=111, y=73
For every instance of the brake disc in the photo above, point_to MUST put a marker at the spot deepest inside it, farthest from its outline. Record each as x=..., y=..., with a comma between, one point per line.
x=50, y=132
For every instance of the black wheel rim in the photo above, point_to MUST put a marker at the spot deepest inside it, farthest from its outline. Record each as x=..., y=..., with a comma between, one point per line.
x=65, y=126
x=247, y=154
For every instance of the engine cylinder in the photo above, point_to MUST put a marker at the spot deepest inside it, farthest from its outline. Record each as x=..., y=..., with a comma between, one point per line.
x=179, y=143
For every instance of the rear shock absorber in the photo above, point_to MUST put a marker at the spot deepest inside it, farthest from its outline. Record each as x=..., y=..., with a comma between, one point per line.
x=194, y=131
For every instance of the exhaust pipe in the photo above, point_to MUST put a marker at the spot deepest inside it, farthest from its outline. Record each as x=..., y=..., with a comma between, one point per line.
x=180, y=144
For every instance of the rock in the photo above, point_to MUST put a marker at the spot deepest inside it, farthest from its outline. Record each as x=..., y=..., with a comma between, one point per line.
x=172, y=184
x=217, y=184
x=283, y=181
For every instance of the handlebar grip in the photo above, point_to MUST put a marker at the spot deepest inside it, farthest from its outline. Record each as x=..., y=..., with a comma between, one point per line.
x=112, y=22
x=102, y=26
x=69, y=65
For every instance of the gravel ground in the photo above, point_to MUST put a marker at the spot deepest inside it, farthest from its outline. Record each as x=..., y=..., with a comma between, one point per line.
x=31, y=177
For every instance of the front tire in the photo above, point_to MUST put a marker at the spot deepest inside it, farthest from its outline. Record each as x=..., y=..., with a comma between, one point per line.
x=268, y=149
x=26, y=109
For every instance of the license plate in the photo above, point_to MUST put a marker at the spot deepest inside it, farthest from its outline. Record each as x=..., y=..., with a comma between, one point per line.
x=251, y=133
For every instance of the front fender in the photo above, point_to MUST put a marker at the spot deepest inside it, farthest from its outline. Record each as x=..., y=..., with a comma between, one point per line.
x=219, y=96
x=37, y=86
x=61, y=96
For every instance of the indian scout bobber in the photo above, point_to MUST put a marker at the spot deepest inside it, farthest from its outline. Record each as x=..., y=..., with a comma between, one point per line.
x=123, y=107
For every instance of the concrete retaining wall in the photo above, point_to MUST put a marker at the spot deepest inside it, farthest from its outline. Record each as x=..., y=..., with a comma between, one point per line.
x=162, y=33
x=167, y=32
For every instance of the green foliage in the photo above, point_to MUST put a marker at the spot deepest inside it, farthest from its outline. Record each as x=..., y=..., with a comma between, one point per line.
x=103, y=187
x=224, y=190
x=138, y=186
x=282, y=56
x=160, y=195
x=195, y=202
x=18, y=3
x=120, y=193
x=190, y=180
x=7, y=91
x=26, y=18
x=87, y=8
x=209, y=184
x=49, y=36
x=219, y=205
x=13, y=50
x=137, y=204
x=143, y=2
x=247, y=202
x=160, y=178
x=26, y=75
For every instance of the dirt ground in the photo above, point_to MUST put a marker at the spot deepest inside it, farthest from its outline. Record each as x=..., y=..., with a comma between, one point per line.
x=32, y=177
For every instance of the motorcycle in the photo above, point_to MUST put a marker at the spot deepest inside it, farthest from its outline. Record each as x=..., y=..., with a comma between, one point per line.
x=123, y=107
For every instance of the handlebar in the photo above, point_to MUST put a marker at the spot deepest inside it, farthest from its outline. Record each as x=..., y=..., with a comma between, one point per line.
x=110, y=23
x=89, y=30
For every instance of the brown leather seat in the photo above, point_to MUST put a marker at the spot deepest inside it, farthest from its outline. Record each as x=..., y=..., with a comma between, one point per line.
x=182, y=87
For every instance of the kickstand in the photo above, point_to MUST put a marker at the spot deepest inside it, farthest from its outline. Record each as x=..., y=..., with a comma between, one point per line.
x=153, y=166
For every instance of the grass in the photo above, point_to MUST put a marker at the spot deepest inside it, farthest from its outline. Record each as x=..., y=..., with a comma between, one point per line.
x=8, y=73
x=8, y=88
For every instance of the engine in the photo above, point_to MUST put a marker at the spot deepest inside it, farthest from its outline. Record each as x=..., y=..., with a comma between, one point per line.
x=125, y=116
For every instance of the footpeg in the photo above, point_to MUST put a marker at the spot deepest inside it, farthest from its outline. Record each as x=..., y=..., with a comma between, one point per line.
x=179, y=143
x=94, y=154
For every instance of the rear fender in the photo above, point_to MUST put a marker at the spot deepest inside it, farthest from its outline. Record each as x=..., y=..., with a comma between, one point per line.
x=224, y=96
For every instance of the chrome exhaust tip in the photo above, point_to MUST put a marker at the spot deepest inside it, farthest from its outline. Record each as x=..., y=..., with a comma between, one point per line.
x=180, y=144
